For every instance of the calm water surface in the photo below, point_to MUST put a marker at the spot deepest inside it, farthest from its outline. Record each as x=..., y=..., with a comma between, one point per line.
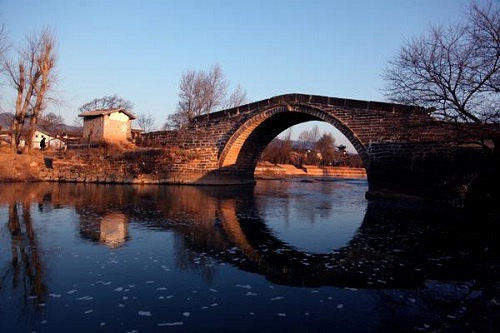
x=288, y=256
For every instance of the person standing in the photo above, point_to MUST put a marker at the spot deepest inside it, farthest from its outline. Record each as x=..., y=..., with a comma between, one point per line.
x=42, y=143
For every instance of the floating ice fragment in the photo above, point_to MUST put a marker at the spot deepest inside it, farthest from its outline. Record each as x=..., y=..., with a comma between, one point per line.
x=277, y=298
x=124, y=298
x=150, y=281
x=144, y=313
x=214, y=304
x=247, y=286
x=102, y=324
x=161, y=288
x=186, y=314
x=118, y=289
x=351, y=289
x=85, y=298
x=282, y=314
x=55, y=295
x=340, y=306
x=89, y=311
x=315, y=291
x=249, y=293
x=213, y=290
x=32, y=297
x=72, y=291
x=121, y=305
x=175, y=323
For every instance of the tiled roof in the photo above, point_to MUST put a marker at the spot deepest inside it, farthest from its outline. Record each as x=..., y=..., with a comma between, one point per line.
x=96, y=113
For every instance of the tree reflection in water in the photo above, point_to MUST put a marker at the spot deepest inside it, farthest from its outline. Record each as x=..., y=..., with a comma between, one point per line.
x=25, y=273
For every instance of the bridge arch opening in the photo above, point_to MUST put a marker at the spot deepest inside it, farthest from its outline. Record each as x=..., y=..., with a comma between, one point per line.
x=245, y=146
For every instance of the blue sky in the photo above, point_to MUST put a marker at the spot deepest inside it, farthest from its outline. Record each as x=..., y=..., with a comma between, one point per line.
x=138, y=49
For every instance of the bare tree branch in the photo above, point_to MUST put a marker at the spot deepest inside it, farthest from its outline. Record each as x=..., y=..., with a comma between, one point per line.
x=201, y=93
x=146, y=122
x=107, y=103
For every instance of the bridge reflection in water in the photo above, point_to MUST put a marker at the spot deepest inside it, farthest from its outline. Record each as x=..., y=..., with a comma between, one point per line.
x=387, y=247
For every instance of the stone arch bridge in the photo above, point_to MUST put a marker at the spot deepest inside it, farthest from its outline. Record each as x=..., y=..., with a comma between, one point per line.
x=405, y=151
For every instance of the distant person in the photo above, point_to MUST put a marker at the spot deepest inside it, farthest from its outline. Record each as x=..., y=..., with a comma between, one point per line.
x=42, y=143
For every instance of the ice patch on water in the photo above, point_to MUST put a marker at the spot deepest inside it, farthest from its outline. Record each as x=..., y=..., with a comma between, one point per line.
x=175, y=323
x=246, y=286
x=144, y=313
x=55, y=295
x=186, y=314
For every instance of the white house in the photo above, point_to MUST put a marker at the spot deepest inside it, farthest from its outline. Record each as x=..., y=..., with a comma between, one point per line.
x=107, y=125
x=51, y=142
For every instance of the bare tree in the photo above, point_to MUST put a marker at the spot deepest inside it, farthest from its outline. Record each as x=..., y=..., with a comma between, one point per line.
x=4, y=46
x=238, y=97
x=78, y=122
x=454, y=70
x=146, y=122
x=305, y=140
x=326, y=147
x=278, y=151
x=201, y=93
x=214, y=89
x=51, y=122
x=32, y=75
x=107, y=103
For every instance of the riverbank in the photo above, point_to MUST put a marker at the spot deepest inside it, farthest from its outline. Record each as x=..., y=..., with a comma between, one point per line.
x=94, y=168
x=271, y=171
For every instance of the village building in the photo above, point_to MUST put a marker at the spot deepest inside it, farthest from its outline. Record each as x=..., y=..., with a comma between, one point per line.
x=51, y=141
x=112, y=125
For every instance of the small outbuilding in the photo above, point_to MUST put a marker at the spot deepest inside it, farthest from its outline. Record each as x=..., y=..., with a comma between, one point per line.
x=113, y=125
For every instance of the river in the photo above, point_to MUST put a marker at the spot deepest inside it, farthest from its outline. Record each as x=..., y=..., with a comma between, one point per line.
x=295, y=256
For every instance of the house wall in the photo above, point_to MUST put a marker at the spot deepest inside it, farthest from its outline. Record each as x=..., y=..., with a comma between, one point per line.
x=113, y=127
x=93, y=129
x=117, y=127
